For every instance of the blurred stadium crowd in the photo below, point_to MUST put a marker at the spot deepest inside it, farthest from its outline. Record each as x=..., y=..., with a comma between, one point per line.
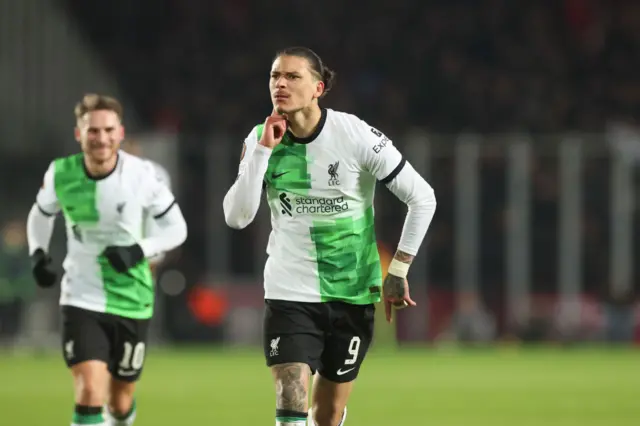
x=482, y=65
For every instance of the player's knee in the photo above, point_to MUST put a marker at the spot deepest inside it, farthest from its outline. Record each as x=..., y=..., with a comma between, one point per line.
x=90, y=380
x=327, y=414
x=90, y=392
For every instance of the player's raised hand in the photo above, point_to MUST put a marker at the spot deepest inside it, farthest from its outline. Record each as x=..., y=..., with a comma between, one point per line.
x=395, y=291
x=275, y=127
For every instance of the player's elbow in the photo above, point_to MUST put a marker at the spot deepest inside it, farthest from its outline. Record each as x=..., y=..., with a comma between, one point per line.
x=429, y=198
x=39, y=225
x=237, y=221
x=33, y=214
x=424, y=198
x=181, y=233
x=235, y=216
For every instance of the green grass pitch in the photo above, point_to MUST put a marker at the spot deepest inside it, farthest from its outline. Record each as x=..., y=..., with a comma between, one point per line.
x=490, y=387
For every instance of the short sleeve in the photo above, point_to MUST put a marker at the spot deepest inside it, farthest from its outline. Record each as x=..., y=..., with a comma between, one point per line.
x=378, y=154
x=46, y=199
x=160, y=199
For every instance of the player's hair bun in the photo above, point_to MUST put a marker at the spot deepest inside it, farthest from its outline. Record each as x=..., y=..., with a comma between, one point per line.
x=328, y=78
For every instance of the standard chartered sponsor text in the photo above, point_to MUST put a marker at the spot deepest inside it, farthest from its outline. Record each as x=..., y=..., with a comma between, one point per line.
x=319, y=205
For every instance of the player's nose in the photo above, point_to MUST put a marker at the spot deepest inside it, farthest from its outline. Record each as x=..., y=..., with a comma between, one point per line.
x=103, y=137
x=281, y=83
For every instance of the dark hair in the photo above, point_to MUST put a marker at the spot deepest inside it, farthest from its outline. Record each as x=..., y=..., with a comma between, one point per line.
x=323, y=72
x=92, y=102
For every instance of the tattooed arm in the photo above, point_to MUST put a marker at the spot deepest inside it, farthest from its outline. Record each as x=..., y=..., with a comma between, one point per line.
x=403, y=257
x=383, y=160
x=420, y=199
x=394, y=286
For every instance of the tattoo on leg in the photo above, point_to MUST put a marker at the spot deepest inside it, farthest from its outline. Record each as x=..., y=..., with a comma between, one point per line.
x=292, y=380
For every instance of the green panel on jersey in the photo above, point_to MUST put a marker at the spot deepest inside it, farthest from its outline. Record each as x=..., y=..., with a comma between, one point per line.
x=288, y=168
x=131, y=294
x=75, y=191
x=348, y=259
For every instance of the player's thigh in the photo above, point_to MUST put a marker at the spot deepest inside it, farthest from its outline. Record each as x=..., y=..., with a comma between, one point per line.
x=129, y=349
x=90, y=381
x=84, y=336
x=86, y=351
x=347, y=343
x=291, y=333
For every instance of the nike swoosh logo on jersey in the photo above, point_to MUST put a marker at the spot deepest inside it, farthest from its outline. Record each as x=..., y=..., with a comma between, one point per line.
x=341, y=372
x=124, y=373
x=277, y=175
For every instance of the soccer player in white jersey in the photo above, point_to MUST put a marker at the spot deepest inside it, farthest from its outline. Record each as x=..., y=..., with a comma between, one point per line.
x=319, y=169
x=107, y=290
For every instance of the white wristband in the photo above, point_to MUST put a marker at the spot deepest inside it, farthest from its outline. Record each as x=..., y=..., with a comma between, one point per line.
x=398, y=269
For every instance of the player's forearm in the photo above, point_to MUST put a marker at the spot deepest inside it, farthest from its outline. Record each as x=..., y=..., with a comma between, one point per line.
x=171, y=232
x=403, y=257
x=150, y=230
x=39, y=229
x=242, y=201
x=420, y=199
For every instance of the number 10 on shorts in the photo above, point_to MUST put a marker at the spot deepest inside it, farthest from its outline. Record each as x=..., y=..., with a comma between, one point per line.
x=354, y=348
x=133, y=357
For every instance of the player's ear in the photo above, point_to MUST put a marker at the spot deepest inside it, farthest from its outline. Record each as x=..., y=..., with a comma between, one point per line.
x=122, y=132
x=319, y=89
x=76, y=134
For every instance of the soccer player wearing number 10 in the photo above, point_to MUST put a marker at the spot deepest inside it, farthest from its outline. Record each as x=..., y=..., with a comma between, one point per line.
x=107, y=293
x=319, y=169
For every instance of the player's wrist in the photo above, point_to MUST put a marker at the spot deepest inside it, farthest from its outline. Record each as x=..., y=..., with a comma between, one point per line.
x=39, y=257
x=398, y=268
x=38, y=253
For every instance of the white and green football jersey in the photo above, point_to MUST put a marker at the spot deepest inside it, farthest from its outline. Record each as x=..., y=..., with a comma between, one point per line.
x=100, y=213
x=320, y=192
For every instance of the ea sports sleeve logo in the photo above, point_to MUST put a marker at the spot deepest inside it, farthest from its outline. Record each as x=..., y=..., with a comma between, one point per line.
x=333, y=174
x=285, y=203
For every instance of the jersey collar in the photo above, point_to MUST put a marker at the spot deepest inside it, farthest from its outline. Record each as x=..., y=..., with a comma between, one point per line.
x=89, y=176
x=313, y=136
